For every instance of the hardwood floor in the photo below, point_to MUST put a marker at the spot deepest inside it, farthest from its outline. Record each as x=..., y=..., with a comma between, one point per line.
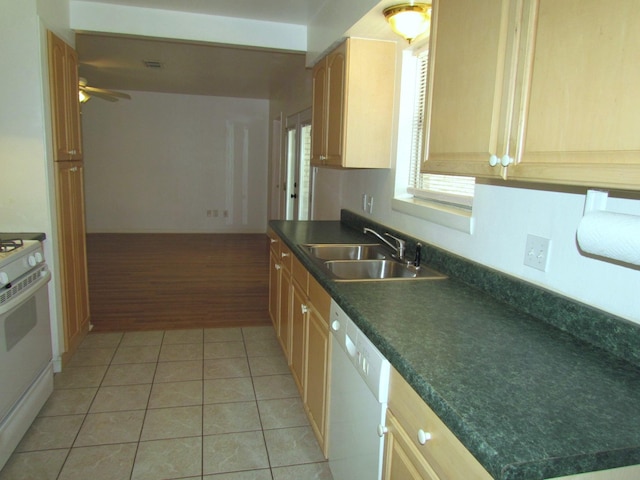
x=174, y=281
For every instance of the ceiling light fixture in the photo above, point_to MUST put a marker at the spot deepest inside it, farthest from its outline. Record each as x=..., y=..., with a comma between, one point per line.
x=409, y=20
x=84, y=98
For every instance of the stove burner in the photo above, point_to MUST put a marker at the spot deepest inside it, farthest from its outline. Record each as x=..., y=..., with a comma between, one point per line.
x=10, y=245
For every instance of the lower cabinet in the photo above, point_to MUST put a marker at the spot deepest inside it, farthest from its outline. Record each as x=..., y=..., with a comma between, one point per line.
x=302, y=307
x=418, y=445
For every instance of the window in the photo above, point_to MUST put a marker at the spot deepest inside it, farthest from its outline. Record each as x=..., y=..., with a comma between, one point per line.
x=444, y=199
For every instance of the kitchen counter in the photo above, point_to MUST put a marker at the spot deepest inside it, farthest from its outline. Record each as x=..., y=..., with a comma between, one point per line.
x=527, y=399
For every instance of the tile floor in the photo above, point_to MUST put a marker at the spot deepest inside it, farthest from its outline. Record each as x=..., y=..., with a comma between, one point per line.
x=212, y=404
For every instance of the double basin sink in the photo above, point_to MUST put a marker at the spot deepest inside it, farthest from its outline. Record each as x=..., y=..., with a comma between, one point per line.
x=365, y=262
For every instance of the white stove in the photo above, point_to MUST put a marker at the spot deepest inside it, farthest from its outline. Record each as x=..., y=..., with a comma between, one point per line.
x=26, y=372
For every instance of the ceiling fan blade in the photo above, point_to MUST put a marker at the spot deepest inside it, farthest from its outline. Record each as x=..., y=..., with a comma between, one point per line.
x=104, y=96
x=94, y=90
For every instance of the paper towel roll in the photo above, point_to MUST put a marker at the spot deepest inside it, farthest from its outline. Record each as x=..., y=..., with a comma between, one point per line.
x=611, y=235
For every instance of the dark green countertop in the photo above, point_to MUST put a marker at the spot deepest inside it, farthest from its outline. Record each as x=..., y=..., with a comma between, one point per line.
x=528, y=400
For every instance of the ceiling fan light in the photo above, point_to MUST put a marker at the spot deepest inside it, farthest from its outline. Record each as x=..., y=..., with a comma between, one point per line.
x=409, y=20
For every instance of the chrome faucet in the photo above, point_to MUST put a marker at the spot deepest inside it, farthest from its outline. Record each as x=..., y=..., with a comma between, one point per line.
x=398, y=248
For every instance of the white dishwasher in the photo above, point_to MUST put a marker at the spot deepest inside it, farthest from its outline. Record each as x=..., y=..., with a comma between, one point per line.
x=359, y=393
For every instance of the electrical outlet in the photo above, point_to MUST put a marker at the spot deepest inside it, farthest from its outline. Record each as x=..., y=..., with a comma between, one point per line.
x=536, y=254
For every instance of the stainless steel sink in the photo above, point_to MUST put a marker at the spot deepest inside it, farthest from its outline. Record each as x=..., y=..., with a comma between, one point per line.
x=326, y=251
x=359, y=270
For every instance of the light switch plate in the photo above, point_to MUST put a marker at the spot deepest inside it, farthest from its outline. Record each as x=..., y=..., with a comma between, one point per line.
x=536, y=254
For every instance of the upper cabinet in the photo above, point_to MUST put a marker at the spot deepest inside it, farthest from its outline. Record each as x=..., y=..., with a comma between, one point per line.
x=65, y=104
x=536, y=90
x=469, y=90
x=353, y=102
x=579, y=105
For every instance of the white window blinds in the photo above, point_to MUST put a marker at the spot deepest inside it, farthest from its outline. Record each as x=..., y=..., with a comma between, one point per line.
x=447, y=189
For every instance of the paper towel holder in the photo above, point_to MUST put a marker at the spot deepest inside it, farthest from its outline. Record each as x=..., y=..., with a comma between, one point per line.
x=596, y=201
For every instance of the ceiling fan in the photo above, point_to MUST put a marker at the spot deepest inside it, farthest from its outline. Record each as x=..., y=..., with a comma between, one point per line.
x=86, y=92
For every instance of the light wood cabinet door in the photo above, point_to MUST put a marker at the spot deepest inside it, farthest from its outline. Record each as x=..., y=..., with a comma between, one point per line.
x=65, y=104
x=274, y=291
x=401, y=461
x=580, y=106
x=317, y=377
x=299, y=315
x=471, y=89
x=73, y=255
x=353, y=104
x=285, y=313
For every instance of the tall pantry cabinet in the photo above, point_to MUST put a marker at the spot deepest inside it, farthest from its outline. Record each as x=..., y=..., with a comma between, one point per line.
x=69, y=169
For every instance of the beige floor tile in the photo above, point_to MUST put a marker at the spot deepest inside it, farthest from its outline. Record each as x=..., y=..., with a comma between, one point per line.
x=79, y=377
x=176, y=394
x=310, y=471
x=263, y=347
x=133, y=339
x=101, y=340
x=103, y=462
x=178, y=371
x=183, y=336
x=136, y=354
x=275, y=386
x=174, y=458
x=179, y=352
x=246, y=475
x=223, y=390
x=230, y=418
x=234, y=452
x=224, y=350
x=222, y=335
x=68, y=402
x=259, y=333
x=92, y=356
x=226, y=368
x=48, y=433
x=273, y=365
x=282, y=413
x=165, y=423
x=121, y=398
x=129, y=374
x=110, y=427
x=292, y=446
x=42, y=465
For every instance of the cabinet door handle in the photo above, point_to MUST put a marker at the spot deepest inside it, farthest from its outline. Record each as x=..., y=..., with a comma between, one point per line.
x=284, y=254
x=382, y=429
x=423, y=437
x=304, y=309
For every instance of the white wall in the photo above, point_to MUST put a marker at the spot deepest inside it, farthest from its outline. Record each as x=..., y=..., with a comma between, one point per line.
x=159, y=162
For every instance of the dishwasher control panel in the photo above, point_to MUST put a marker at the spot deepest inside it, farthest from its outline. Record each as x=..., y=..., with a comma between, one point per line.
x=371, y=365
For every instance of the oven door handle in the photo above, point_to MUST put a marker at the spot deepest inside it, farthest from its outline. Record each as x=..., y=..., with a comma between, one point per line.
x=25, y=295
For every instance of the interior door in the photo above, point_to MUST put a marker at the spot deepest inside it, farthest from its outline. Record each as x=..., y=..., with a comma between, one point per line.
x=298, y=184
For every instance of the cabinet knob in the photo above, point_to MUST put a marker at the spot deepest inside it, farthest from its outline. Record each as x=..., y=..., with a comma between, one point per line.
x=335, y=325
x=273, y=240
x=304, y=309
x=423, y=437
x=284, y=254
x=277, y=266
x=506, y=160
x=73, y=169
x=493, y=160
x=382, y=429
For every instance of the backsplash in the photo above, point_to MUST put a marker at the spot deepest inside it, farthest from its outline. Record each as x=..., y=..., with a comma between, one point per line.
x=616, y=335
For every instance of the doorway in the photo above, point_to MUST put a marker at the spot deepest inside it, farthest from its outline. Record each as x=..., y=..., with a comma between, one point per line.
x=298, y=182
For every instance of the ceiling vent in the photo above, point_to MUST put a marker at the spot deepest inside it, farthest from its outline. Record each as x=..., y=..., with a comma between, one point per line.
x=152, y=64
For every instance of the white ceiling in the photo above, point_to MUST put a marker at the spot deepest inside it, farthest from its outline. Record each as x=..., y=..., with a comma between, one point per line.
x=116, y=62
